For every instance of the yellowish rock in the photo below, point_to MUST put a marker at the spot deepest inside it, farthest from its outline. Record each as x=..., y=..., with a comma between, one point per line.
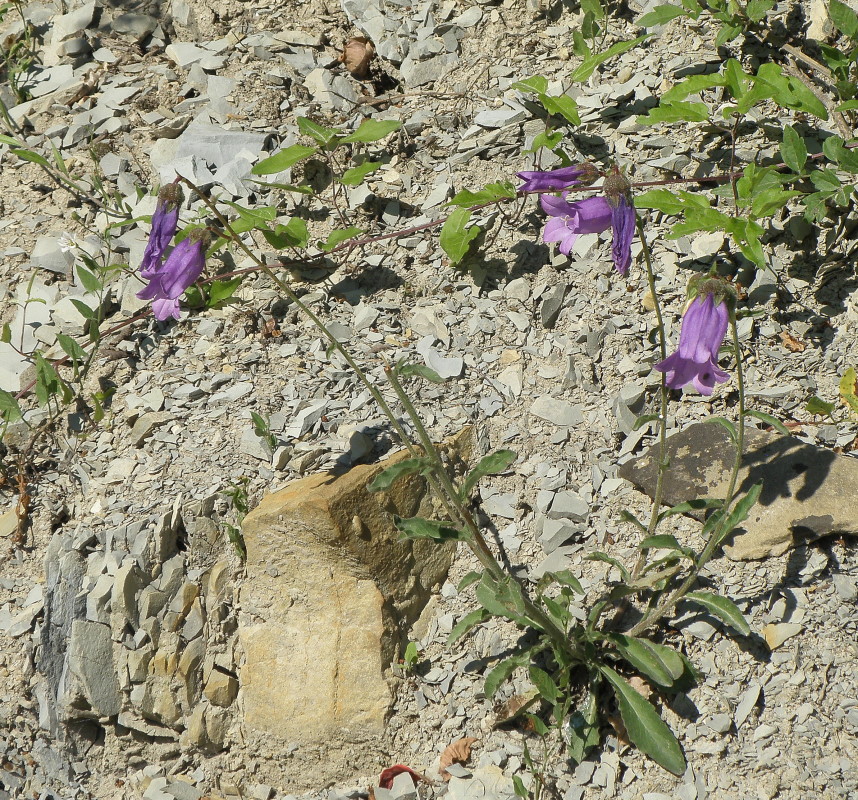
x=221, y=688
x=776, y=633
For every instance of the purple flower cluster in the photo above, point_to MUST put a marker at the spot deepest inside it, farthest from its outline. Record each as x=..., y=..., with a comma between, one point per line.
x=704, y=323
x=594, y=214
x=169, y=279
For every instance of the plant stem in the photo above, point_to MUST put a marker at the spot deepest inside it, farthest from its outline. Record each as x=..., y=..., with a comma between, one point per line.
x=668, y=603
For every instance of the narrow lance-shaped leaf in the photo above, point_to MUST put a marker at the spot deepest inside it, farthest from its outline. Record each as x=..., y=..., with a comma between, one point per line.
x=646, y=729
x=642, y=658
x=409, y=466
x=371, y=130
x=419, y=528
x=466, y=623
x=723, y=608
x=740, y=511
x=793, y=150
x=491, y=464
x=544, y=684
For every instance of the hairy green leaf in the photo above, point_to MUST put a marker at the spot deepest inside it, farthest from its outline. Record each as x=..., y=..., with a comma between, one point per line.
x=740, y=511
x=88, y=280
x=769, y=420
x=469, y=579
x=598, y=555
x=646, y=729
x=419, y=528
x=293, y=234
x=409, y=466
x=466, y=623
x=491, y=464
x=70, y=347
x=488, y=194
x=723, y=608
x=583, y=728
x=642, y=658
x=420, y=370
x=537, y=84
x=562, y=105
x=324, y=136
x=544, y=684
x=844, y=18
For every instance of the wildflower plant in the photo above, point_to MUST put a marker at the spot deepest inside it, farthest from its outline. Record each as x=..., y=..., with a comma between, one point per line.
x=576, y=667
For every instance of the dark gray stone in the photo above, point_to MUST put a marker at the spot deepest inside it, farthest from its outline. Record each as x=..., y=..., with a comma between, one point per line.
x=804, y=487
x=552, y=304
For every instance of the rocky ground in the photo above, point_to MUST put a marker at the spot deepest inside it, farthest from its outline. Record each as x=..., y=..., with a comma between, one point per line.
x=122, y=611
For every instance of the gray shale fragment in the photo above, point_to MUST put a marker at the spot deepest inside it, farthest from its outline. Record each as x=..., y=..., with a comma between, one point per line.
x=803, y=486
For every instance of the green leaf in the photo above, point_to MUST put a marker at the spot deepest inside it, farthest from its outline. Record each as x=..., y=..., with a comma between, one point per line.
x=324, y=136
x=502, y=598
x=285, y=158
x=501, y=672
x=6, y=334
x=546, y=139
x=583, y=729
x=355, y=175
x=422, y=371
x=466, y=623
x=71, y=348
x=769, y=420
x=565, y=577
x=419, y=528
x=689, y=506
x=679, y=111
x=469, y=579
x=588, y=65
x=537, y=84
x=219, y=291
x=293, y=234
x=456, y=236
x=562, y=105
x=722, y=608
x=85, y=311
x=662, y=200
x=645, y=419
x=784, y=90
x=338, y=237
x=793, y=150
x=371, y=130
x=627, y=516
x=844, y=18
x=825, y=180
x=660, y=15
x=491, y=464
x=817, y=405
x=409, y=466
x=600, y=556
x=488, y=194
x=9, y=408
x=593, y=7
x=757, y=9
x=664, y=541
x=544, y=684
x=740, y=511
x=674, y=662
x=642, y=658
x=646, y=729
x=89, y=281
x=847, y=389
x=724, y=423
x=260, y=426
x=519, y=788
x=29, y=155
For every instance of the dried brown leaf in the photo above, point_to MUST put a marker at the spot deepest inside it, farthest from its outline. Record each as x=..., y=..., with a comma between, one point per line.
x=457, y=753
x=791, y=343
x=357, y=54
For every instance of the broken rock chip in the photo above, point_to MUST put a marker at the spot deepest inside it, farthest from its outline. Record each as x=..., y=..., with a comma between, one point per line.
x=804, y=486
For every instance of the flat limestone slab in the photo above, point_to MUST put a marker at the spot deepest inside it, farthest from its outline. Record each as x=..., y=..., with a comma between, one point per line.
x=808, y=491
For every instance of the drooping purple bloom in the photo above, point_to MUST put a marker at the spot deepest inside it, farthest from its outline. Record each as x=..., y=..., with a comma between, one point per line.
x=164, y=223
x=538, y=181
x=704, y=326
x=623, y=226
x=181, y=269
x=569, y=220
